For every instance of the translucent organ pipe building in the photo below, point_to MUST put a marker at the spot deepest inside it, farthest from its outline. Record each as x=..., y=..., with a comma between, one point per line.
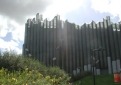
x=70, y=46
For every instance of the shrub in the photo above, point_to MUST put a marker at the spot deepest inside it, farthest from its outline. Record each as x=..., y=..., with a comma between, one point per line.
x=17, y=63
x=80, y=75
x=27, y=77
x=56, y=73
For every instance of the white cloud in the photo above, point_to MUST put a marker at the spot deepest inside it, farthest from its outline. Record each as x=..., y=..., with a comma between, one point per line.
x=8, y=25
x=9, y=22
x=62, y=7
x=17, y=31
x=11, y=45
x=3, y=32
x=108, y=6
x=3, y=26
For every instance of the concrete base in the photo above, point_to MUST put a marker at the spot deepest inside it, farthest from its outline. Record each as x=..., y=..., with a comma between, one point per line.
x=78, y=70
x=109, y=65
x=74, y=72
x=85, y=67
x=118, y=65
x=98, y=71
x=89, y=67
x=114, y=66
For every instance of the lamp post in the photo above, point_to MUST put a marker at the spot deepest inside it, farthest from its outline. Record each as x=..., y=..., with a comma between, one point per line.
x=79, y=69
x=98, y=49
x=29, y=55
x=26, y=50
x=54, y=60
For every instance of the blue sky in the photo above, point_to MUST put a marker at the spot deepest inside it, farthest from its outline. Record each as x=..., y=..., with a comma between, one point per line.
x=13, y=16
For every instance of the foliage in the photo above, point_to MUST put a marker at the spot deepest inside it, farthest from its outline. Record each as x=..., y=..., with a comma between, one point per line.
x=27, y=77
x=56, y=72
x=13, y=63
x=80, y=75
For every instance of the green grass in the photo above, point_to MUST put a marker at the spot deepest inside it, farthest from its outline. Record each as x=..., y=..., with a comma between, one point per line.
x=100, y=80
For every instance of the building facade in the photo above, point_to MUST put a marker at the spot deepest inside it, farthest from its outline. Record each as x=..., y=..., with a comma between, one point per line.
x=70, y=46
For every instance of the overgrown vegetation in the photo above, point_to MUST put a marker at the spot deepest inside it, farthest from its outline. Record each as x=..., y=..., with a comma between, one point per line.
x=18, y=70
x=80, y=76
x=27, y=71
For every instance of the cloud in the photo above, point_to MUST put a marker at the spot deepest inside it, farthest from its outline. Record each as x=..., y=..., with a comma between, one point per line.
x=3, y=32
x=9, y=25
x=3, y=26
x=62, y=7
x=11, y=45
x=19, y=9
x=108, y=6
x=14, y=14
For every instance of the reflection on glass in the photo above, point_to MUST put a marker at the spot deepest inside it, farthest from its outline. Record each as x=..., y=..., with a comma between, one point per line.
x=97, y=25
x=47, y=24
x=44, y=23
x=90, y=26
x=118, y=29
x=54, y=22
x=94, y=25
x=41, y=23
x=114, y=29
x=101, y=24
x=62, y=24
x=105, y=24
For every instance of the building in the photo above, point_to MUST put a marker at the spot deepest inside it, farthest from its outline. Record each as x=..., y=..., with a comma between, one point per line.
x=70, y=46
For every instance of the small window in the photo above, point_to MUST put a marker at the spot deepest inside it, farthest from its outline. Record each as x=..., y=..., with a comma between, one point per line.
x=41, y=23
x=40, y=17
x=79, y=27
x=94, y=25
x=37, y=17
x=75, y=26
x=118, y=29
x=108, y=19
x=101, y=23
x=90, y=25
x=120, y=22
x=54, y=22
x=29, y=22
x=28, y=26
x=33, y=20
x=86, y=25
x=47, y=24
x=97, y=25
x=105, y=24
x=114, y=28
x=62, y=24
x=44, y=23
x=58, y=17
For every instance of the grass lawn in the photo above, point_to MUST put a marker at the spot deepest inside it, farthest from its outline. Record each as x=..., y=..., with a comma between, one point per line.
x=100, y=80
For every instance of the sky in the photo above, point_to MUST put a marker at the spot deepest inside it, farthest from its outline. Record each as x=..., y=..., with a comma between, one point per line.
x=14, y=14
